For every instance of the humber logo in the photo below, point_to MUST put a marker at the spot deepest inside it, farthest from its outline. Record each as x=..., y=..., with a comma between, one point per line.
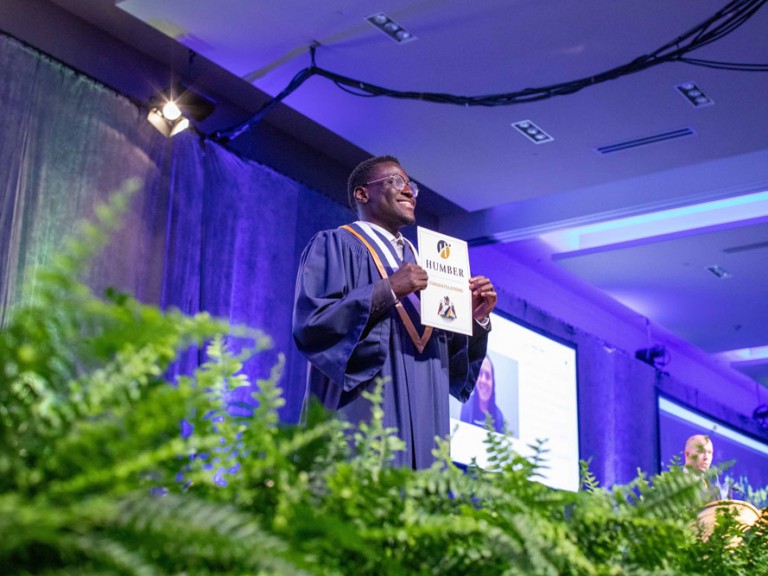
x=444, y=249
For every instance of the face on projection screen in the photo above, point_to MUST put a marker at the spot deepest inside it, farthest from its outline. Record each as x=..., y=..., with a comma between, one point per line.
x=748, y=456
x=528, y=387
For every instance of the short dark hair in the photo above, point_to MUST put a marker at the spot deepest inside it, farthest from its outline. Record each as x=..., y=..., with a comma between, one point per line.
x=362, y=174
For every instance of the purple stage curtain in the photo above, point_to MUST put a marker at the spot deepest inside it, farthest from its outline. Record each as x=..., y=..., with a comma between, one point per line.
x=66, y=144
x=207, y=232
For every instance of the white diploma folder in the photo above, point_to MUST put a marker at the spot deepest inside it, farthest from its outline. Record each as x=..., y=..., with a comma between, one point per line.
x=446, y=302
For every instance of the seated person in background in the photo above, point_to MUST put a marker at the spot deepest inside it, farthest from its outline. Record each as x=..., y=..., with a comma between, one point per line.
x=483, y=399
x=698, y=459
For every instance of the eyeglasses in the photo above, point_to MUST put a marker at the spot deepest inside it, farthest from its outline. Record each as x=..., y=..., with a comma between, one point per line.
x=399, y=183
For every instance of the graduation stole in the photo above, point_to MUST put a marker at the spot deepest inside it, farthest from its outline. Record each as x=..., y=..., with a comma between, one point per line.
x=386, y=260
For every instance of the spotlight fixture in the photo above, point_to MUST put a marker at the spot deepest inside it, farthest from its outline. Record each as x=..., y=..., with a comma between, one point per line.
x=694, y=95
x=165, y=125
x=532, y=132
x=391, y=28
x=170, y=112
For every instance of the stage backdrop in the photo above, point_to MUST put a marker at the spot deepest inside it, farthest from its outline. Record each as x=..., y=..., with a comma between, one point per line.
x=212, y=231
x=208, y=231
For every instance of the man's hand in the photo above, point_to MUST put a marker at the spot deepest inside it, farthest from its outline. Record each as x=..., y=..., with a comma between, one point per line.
x=408, y=278
x=483, y=297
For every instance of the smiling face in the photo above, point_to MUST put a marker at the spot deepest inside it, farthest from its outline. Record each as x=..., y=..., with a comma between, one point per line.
x=484, y=384
x=381, y=203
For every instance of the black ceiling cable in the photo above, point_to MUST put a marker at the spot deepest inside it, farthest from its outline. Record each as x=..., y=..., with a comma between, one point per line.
x=296, y=81
x=738, y=66
x=723, y=22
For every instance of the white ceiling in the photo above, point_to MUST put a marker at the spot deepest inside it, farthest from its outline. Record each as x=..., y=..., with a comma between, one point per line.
x=512, y=188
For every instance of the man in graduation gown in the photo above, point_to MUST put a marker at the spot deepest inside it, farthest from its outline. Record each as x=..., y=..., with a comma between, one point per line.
x=355, y=318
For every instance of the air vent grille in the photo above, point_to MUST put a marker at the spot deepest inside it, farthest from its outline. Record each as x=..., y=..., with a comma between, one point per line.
x=663, y=137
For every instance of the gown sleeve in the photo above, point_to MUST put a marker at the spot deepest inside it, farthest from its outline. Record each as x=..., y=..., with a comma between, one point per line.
x=341, y=305
x=466, y=355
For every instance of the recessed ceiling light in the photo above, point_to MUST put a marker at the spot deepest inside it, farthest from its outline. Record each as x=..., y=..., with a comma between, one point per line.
x=532, y=132
x=719, y=271
x=694, y=95
x=391, y=28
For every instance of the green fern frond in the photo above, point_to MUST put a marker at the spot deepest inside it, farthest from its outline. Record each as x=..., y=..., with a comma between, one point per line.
x=374, y=444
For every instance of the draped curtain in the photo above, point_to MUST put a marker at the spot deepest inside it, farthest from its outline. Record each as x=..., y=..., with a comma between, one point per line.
x=66, y=144
x=207, y=231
